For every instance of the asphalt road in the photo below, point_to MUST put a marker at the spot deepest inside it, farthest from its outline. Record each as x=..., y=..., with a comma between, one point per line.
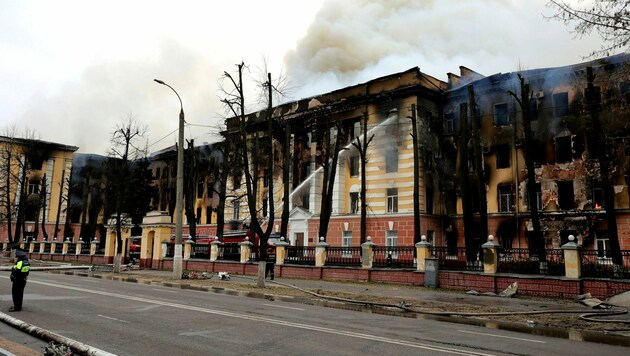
x=137, y=319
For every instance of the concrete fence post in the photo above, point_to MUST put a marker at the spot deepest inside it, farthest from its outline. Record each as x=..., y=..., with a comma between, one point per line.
x=78, y=246
x=423, y=251
x=490, y=256
x=321, y=252
x=281, y=251
x=31, y=247
x=188, y=244
x=214, y=250
x=93, y=246
x=53, y=246
x=367, y=253
x=572, y=263
x=42, y=246
x=246, y=250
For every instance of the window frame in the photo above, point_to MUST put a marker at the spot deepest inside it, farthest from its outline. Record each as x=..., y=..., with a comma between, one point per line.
x=392, y=200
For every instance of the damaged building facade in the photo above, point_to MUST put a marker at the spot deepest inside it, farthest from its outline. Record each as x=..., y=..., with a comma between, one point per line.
x=457, y=178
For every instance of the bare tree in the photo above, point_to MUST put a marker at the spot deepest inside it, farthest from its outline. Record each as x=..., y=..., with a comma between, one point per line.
x=609, y=19
x=124, y=138
x=362, y=144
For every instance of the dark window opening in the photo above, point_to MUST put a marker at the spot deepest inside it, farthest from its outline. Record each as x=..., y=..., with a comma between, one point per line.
x=449, y=123
x=305, y=201
x=354, y=203
x=354, y=166
x=429, y=200
x=563, y=149
x=208, y=215
x=451, y=201
x=472, y=162
x=566, y=196
x=474, y=198
x=391, y=160
x=198, y=216
x=503, y=156
x=200, y=188
x=265, y=207
x=266, y=178
x=533, y=109
x=561, y=104
x=501, y=117
x=598, y=195
x=428, y=160
x=237, y=181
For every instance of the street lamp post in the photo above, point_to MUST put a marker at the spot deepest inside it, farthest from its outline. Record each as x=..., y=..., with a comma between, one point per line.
x=177, y=257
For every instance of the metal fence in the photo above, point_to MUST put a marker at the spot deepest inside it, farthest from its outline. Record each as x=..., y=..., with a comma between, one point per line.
x=200, y=250
x=523, y=261
x=344, y=256
x=455, y=259
x=394, y=256
x=229, y=252
x=300, y=255
x=599, y=264
x=72, y=249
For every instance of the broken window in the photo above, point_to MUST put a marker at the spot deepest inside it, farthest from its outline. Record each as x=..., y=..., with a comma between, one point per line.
x=533, y=109
x=566, y=196
x=33, y=187
x=503, y=156
x=200, y=188
x=354, y=166
x=451, y=201
x=472, y=162
x=306, y=200
x=598, y=195
x=236, y=180
x=449, y=123
x=208, y=215
x=391, y=160
x=198, y=216
x=501, y=117
x=563, y=149
x=561, y=104
x=354, y=202
x=429, y=199
x=266, y=177
x=265, y=206
x=392, y=200
x=428, y=160
x=506, y=198
x=474, y=198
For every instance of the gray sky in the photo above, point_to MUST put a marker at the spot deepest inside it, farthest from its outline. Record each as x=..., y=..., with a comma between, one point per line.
x=72, y=70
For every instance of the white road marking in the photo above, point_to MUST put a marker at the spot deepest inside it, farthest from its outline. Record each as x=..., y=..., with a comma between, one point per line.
x=501, y=336
x=281, y=306
x=110, y=318
x=165, y=290
x=310, y=327
x=148, y=307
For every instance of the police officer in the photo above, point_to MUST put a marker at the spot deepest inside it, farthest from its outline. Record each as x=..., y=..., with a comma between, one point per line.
x=19, y=274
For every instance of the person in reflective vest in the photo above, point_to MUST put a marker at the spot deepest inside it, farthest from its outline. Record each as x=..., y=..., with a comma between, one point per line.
x=19, y=274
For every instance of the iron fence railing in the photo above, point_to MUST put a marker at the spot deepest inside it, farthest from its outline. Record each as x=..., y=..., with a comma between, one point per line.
x=523, y=261
x=229, y=252
x=300, y=255
x=455, y=259
x=344, y=256
x=85, y=248
x=394, y=256
x=72, y=249
x=200, y=250
x=599, y=264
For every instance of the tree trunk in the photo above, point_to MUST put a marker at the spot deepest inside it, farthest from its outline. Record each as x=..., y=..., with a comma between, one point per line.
x=417, y=233
x=481, y=181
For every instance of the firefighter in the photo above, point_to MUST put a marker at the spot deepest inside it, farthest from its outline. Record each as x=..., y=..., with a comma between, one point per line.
x=19, y=274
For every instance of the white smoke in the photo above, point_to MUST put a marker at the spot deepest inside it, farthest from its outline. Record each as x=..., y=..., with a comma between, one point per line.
x=353, y=41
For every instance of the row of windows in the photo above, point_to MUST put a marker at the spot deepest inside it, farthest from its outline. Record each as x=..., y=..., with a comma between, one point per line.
x=501, y=115
x=565, y=197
